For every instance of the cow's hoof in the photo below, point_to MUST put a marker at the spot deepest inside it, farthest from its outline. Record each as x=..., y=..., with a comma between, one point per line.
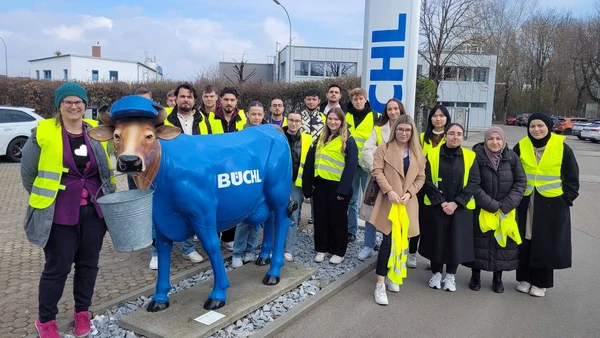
x=270, y=280
x=155, y=306
x=213, y=304
x=263, y=261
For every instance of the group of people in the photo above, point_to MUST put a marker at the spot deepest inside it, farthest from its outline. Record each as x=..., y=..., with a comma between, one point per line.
x=490, y=208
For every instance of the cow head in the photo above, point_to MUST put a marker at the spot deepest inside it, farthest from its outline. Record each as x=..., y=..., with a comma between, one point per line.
x=135, y=139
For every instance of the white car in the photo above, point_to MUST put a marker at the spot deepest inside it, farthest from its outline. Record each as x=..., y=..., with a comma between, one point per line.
x=591, y=132
x=16, y=124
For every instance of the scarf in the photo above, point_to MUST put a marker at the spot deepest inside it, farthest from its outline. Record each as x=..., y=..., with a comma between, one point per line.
x=494, y=157
x=548, y=122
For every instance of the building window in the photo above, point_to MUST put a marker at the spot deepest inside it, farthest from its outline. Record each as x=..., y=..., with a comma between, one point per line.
x=37, y=74
x=95, y=75
x=341, y=69
x=301, y=68
x=480, y=74
x=47, y=75
x=449, y=74
x=317, y=68
x=448, y=104
x=462, y=104
x=66, y=74
x=282, y=71
x=113, y=75
x=465, y=74
x=477, y=105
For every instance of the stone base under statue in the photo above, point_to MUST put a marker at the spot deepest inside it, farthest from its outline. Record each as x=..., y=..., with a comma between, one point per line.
x=246, y=294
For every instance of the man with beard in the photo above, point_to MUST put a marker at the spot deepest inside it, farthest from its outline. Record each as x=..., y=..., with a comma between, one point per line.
x=277, y=109
x=210, y=100
x=334, y=95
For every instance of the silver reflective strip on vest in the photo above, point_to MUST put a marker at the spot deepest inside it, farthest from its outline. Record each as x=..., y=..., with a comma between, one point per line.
x=549, y=186
x=529, y=188
x=299, y=176
x=542, y=177
x=330, y=169
x=48, y=175
x=42, y=192
x=498, y=236
x=328, y=158
x=359, y=139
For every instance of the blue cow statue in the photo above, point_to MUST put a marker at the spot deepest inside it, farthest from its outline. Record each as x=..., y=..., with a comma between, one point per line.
x=204, y=185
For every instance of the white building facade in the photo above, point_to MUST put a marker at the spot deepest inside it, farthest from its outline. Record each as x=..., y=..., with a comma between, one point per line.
x=93, y=69
x=318, y=63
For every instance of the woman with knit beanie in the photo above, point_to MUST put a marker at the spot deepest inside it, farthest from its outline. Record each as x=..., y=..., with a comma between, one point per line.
x=61, y=169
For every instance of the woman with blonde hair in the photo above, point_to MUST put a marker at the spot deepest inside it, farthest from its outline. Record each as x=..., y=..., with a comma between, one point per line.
x=329, y=169
x=399, y=168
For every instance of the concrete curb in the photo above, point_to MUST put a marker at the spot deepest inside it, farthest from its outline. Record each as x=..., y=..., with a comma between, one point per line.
x=66, y=324
x=287, y=319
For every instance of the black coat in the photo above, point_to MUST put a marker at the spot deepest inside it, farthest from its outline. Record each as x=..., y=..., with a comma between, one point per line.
x=551, y=227
x=500, y=189
x=449, y=238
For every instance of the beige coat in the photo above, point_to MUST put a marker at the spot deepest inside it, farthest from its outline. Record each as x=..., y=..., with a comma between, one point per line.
x=388, y=169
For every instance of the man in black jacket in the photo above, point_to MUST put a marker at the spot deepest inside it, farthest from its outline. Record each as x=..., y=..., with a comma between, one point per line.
x=334, y=95
x=185, y=116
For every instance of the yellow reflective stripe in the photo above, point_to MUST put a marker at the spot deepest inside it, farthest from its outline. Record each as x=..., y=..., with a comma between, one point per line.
x=42, y=192
x=48, y=175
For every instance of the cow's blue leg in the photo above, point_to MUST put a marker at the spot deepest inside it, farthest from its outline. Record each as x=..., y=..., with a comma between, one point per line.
x=282, y=223
x=160, y=300
x=264, y=258
x=212, y=246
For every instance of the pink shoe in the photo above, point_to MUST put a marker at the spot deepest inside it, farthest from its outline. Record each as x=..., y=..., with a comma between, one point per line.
x=47, y=330
x=82, y=324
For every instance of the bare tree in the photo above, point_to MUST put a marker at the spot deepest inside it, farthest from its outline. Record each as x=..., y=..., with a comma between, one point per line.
x=209, y=73
x=238, y=69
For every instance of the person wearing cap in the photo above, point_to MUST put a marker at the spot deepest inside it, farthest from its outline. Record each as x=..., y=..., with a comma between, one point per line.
x=61, y=169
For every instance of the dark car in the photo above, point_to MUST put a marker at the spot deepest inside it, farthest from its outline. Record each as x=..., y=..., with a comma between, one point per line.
x=522, y=120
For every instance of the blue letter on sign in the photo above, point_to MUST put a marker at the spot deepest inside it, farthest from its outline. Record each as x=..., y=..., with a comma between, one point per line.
x=392, y=35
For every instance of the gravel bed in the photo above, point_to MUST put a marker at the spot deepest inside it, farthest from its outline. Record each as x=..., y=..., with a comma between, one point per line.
x=106, y=326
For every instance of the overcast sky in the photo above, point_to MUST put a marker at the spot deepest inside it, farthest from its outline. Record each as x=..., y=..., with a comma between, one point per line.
x=188, y=36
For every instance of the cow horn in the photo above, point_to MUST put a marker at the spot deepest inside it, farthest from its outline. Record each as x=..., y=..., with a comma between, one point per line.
x=105, y=118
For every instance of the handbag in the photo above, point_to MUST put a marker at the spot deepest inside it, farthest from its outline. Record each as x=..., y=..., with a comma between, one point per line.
x=371, y=192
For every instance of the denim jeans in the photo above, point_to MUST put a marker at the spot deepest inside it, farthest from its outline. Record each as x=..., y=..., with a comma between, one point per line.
x=246, y=239
x=359, y=184
x=187, y=247
x=370, y=233
x=292, y=234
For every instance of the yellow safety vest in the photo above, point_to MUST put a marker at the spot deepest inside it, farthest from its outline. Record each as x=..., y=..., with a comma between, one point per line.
x=434, y=161
x=217, y=125
x=379, y=136
x=545, y=175
x=428, y=146
x=169, y=110
x=362, y=132
x=399, y=248
x=203, y=126
x=503, y=226
x=306, y=141
x=330, y=161
x=50, y=165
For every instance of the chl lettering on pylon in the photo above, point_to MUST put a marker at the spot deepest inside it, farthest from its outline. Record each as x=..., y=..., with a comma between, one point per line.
x=238, y=178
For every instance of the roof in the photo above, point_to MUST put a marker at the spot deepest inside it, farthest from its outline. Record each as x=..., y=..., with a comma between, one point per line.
x=91, y=57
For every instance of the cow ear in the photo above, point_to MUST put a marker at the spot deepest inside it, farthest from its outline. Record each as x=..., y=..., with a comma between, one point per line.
x=101, y=133
x=167, y=132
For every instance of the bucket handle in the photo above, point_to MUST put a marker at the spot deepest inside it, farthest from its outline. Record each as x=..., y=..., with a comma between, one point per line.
x=153, y=185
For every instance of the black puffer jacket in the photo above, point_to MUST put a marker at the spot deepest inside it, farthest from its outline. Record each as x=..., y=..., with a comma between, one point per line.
x=499, y=189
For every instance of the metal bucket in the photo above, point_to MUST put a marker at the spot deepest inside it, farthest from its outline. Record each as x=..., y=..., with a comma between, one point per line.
x=128, y=217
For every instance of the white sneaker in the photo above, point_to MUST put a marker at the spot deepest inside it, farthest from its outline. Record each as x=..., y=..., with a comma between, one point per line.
x=320, y=257
x=524, y=287
x=393, y=287
x=537, y=292
x=249, y=257
x=194, y=257
x=153, y=263
x=236, y=262
x=436, y=281
x=411, y=261
x=228, y=245
x=335, y=259
x=365, y=253
x=380, y=295
x=450, y=283
x=288, y=257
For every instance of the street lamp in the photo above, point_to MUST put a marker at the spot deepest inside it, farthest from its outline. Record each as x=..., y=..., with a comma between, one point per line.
x=290, y=43
x=5, y=56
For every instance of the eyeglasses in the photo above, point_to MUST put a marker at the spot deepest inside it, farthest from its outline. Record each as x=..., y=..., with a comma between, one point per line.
x=403, y=131
x=71, y=103
x=294, y=121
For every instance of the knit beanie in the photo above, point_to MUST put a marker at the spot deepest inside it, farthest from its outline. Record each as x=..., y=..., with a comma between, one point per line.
x=69, y=89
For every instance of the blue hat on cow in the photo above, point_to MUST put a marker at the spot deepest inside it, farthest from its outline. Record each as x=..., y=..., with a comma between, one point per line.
x=134, y=106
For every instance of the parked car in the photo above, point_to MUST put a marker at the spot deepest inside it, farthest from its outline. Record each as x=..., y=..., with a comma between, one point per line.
x=511, y=121
x=521, y=120
x=565, y=125
x=578, y=127
x=592, y=132
x=16, y=124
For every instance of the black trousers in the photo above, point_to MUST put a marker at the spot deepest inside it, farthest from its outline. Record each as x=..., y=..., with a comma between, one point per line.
x=413, y=244
x=540, y=277
x=228, y=235
x=384, y=255
x=80, y=244
x=331, y=218
x=439, y=267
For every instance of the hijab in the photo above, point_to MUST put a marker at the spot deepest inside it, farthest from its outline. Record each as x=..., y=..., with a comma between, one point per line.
x=494, y=157
x=547, y=121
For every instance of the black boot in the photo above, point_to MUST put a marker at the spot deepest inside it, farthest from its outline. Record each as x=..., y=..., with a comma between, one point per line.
x=475, y=282
x=497, y=282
